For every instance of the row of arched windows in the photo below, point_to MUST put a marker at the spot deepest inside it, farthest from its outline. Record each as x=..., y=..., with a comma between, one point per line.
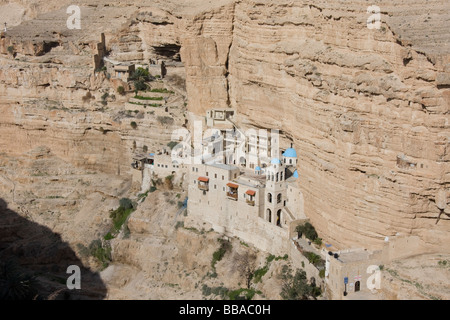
x=279, y=198
x=271, y=176
x=269, y=217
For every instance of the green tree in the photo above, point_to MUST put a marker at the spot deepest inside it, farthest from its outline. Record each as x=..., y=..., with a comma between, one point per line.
x=140, y=76
x=296, y=287
x=308, y=230
x=121, y=90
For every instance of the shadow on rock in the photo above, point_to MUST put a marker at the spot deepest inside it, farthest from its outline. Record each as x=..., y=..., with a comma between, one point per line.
x=34, y=262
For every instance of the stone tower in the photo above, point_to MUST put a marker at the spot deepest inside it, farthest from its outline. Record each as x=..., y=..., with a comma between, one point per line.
x=275, y=191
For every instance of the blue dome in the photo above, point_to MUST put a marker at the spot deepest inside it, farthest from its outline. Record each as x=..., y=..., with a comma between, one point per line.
x=275, y=161
x=290, y=153
x=295, y=175
x=258, y=168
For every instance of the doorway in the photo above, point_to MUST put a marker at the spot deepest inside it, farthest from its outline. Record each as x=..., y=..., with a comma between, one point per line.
x=357, y=286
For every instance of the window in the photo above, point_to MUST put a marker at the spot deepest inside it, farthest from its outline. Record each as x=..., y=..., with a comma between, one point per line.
x=196, y=169
x=215, y=186
x=207, y=174
x=223, y=178
x=193, y=169
x=215, y=175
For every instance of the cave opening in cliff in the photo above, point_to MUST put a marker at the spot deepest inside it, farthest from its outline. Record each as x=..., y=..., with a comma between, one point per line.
x=170, y=51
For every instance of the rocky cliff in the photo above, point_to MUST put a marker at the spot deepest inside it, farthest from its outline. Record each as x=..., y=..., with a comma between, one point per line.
x=367, y=109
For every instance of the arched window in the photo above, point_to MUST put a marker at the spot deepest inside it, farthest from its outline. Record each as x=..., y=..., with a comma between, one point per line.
x=279, y=196
x=269, y=197
x=279, y=218
x=269, y=215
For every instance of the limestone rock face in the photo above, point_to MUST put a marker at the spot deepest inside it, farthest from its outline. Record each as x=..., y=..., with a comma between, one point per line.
x=367, y=109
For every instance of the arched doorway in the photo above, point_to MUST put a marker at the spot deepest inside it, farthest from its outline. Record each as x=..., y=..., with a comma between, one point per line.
x=269, y=215
x=279, y=218
x=357, y=286
x=269, y=197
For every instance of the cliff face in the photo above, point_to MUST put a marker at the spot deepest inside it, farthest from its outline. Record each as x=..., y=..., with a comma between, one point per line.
x=367, y=109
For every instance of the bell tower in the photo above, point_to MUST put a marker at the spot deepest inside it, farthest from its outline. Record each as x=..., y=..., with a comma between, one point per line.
x=275, y=192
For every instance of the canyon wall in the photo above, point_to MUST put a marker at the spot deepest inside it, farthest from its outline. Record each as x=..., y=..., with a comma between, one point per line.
x=366, y=109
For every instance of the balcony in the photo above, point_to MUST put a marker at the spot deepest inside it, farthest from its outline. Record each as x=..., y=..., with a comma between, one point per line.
x=250, y=197
x=232, y=196
x=203, y=184
x=251, y=202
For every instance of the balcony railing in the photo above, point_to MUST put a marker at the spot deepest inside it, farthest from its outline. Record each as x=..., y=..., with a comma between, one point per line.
x=233, y=196
x=251, y=202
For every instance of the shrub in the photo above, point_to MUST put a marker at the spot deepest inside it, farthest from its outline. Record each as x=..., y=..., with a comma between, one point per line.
x=133, y=124
x=259, y=273
x=121, y=90
x=148, y=98
x=108, y=236
x=308, y=230
x=126, y=203
x=140, y=85
x=121, y=214
x=11, y=49
x=100, y=252
x=315, y=259
x=322, y=273
x=296, y=287
x=318, y=241
x=105, y=96
x=145, y=149
x=220, y=253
